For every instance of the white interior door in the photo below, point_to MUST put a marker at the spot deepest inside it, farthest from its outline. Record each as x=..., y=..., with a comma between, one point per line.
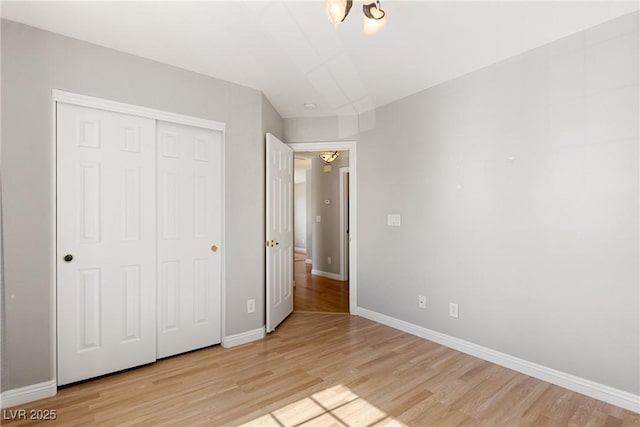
x=189, y=237
x=279, y=222
x=106, y=227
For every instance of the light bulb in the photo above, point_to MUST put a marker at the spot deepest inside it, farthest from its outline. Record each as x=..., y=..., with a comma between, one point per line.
x=374, y=18
x=372, y=26
x=337, y=10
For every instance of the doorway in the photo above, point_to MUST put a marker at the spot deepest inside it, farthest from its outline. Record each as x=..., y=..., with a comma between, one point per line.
x=326, y=280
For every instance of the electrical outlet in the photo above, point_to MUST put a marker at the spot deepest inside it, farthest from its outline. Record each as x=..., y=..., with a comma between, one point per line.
x=422, y=301
x=251, y=306
x=328, y=260
x=453, y=310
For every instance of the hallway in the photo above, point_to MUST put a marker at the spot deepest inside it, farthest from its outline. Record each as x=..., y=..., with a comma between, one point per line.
x=318, y=294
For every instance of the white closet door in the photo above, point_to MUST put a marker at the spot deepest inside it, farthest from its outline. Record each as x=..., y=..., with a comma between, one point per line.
x=106, y=227
x=189, y=237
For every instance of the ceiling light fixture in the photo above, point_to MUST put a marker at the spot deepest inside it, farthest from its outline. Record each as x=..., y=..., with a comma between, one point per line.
x=310, y=106
x=329, y=156
x=338, y=10
x=374, y=17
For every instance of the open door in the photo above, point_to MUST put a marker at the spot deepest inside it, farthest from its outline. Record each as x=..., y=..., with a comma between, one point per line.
x=279, y=231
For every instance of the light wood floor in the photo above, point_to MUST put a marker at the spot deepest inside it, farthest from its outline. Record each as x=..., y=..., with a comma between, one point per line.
x=318, y=294
x=322, y=370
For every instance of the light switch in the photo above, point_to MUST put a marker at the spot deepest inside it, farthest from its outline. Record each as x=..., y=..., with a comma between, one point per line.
x=318, y=218
x=394, y=220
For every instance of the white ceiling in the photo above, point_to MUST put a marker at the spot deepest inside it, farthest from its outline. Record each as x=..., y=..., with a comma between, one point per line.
x=291, y=52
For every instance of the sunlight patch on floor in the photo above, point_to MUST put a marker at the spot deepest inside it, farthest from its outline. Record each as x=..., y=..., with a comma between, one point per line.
x=335, y=406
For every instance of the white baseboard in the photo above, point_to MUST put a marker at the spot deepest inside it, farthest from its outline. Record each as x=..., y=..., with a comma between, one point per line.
x=300, y=250
x=325, y=274
x=589, y=388
x=30, y=393
x=308, y=261
x=243, y=338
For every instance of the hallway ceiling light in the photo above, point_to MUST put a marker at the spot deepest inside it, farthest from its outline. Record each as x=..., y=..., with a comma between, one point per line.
x=374, y=17
x=329, y=156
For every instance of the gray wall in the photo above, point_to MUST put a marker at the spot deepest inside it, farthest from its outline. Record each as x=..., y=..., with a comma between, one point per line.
x=518, y=189
x=310, y=214
x=34, y=62
x=326, y=234
x=300, y=215
x=3, y=359
x=519, y=192
x=320, y=129
x=271, y=121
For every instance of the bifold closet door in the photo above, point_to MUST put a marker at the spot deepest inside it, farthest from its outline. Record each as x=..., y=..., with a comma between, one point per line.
x=106, y=242
x=189, y=237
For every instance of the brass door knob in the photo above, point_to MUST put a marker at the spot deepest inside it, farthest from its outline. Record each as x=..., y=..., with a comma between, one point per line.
x=214, y=248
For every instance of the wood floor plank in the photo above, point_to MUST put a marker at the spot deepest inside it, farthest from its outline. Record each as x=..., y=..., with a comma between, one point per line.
x=325, y=369
x=630, y=419
x=314, y=293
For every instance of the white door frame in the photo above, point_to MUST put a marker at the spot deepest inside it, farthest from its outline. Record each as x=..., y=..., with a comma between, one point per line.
x=349, y=146
x=59, y=96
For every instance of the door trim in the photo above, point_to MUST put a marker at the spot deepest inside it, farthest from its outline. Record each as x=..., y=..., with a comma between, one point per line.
x=349, y=146
x=60, y=96
x=134, y=110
